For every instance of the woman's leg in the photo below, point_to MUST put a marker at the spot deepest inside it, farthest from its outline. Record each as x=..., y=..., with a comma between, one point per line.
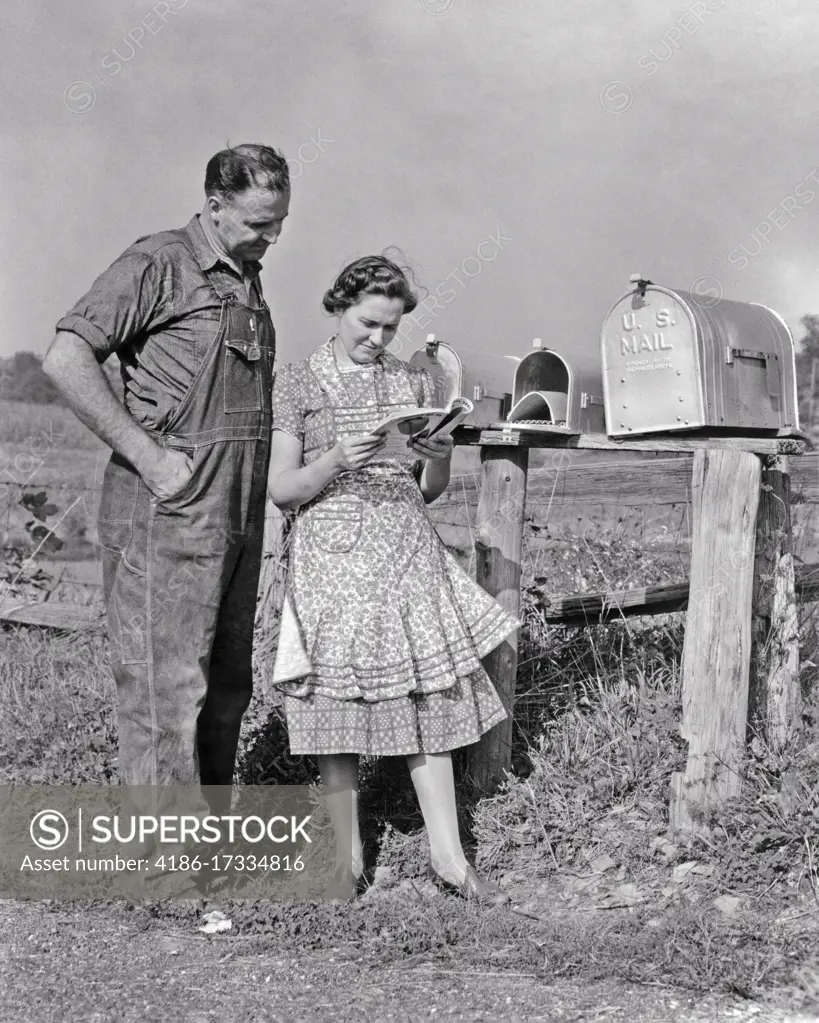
x=434, y=783
x=339, y=775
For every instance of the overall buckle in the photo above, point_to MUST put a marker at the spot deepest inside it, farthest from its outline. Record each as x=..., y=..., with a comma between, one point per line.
x=249, y=350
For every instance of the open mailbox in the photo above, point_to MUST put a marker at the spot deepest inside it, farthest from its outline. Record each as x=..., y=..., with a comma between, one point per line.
x=678, y=361
x=484, y=379
x=561, y=392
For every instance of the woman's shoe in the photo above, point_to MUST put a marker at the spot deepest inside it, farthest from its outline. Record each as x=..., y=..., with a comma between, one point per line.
x=473, y=886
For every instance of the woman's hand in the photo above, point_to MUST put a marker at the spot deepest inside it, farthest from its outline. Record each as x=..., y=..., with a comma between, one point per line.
x=354, y=452
x=434, y=447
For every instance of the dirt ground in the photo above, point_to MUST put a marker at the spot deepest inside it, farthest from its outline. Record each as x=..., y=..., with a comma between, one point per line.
x=72, y=965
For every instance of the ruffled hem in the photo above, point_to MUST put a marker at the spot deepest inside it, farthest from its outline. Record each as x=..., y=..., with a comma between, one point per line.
x=436, y=723
x=416, y=675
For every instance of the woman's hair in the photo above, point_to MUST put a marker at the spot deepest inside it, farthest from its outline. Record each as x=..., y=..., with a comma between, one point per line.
x=371, y=275
x=247, y=166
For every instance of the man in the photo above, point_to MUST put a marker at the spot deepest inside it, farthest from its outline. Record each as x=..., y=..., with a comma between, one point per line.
x=182, y=510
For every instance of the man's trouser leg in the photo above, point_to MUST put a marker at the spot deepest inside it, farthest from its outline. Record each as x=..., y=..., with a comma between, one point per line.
x=230, y=682
x=164, y=598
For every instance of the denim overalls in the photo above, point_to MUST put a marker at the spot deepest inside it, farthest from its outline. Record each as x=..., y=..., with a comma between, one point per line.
x=181, y=575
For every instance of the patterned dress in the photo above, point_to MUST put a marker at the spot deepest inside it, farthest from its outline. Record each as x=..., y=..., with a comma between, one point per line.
x=382, y=632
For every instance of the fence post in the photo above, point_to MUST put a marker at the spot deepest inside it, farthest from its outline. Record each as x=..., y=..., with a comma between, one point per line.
x=775, y=698
x=271, y=590
x=498, y=542
x=717, y=648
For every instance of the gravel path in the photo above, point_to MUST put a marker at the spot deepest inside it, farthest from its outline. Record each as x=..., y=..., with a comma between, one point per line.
x=98, y=967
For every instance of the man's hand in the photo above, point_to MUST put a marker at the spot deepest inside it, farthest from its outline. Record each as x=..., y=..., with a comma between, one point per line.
x=354, y=452
x=167, y=473
x=434, y=447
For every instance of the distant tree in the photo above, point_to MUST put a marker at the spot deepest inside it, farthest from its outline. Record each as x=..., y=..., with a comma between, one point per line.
x=22, y=379
x=808, y=352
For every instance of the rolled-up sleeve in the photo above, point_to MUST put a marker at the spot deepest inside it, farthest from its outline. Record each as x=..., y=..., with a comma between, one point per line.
x=120, y=305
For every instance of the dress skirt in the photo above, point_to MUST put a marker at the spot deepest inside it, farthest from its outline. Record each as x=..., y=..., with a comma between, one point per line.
x=382, y=632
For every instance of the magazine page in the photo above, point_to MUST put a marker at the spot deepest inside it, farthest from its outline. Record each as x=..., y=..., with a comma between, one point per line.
x=402, y=427
x=399, y=436
x=457, y=410
x=402, y=416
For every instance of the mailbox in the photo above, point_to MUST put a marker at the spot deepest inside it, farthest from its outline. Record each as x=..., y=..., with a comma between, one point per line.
x=677, y=361
x=483, y=378
x=562, y=392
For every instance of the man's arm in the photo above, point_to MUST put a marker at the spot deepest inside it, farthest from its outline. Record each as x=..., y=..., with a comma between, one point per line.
x=73, y=368
x=124, y=301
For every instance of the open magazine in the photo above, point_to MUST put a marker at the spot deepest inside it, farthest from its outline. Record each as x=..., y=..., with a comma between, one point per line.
x=404, y=426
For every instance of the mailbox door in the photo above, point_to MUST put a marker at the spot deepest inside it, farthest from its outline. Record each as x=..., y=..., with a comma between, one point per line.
x=651, y=364
x=783, y=345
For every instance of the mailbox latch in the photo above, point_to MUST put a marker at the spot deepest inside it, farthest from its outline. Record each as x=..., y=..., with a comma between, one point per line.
x=589, y=399
x=744, y=353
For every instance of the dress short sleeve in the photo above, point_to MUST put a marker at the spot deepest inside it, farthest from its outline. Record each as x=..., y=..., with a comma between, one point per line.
x=288, y=403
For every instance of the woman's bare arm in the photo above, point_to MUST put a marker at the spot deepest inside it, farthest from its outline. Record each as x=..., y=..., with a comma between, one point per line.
x=290, y=484
x=435, y=476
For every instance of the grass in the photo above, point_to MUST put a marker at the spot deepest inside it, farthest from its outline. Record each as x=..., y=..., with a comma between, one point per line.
x=33, y=428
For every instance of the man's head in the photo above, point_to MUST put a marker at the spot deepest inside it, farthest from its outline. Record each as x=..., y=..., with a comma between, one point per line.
x=247, y=195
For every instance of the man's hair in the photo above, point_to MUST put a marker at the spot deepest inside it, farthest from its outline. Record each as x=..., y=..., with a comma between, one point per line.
x=236, y=169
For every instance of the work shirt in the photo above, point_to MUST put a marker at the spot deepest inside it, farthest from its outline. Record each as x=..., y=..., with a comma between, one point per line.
x=155, y=308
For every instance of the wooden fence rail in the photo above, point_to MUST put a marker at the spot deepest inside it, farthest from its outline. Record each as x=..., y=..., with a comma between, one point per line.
x=598, y=608
x=656, y=481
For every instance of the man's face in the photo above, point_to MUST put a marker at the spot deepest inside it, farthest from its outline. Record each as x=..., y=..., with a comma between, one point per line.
x=246, y=224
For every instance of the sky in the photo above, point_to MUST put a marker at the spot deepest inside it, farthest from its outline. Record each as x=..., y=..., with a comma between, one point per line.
x=525, y=157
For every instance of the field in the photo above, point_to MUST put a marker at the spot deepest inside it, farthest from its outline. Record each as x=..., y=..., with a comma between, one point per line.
x=615, y=918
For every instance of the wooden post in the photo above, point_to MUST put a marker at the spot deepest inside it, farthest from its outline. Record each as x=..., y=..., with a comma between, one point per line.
x=717, y=648
x=498, y=541
x=271, y=589
x=775, y=703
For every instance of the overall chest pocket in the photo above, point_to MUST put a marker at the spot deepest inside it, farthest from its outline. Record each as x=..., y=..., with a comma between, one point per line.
x=244, y=370
x=335, y=524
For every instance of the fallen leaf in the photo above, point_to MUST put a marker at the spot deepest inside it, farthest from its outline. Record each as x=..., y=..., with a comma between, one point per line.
x=727, y=904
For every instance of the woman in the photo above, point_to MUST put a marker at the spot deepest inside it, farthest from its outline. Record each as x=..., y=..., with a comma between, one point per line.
x=382, y=632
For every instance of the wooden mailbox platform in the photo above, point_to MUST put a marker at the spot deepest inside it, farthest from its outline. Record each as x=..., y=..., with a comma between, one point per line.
x=741, y=656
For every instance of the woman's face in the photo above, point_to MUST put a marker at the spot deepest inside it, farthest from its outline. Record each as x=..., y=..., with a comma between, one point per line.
x=366, y=328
